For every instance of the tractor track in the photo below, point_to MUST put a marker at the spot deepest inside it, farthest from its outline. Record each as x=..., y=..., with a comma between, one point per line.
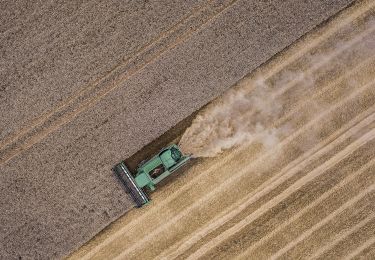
x=83, y=90
x=216, y=166
x=357, y=124
x=343, y=236
x=250, y=203
x=361, y=248
x=88, y=96
x=86, y=84
x=219, y=190
x=323, y=197
x=108, y=74
x=283, y=196
x=261, y=191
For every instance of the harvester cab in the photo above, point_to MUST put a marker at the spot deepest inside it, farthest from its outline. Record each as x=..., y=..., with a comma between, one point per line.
x=151, y=172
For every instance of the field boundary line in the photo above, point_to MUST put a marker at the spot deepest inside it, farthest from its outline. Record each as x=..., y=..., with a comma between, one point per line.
x=319, y=92
x=331, y=55
x=93, y=100
x=350, y=127
x=345, y=17
x=335, y=138
x=327, y=87
x=137, y=221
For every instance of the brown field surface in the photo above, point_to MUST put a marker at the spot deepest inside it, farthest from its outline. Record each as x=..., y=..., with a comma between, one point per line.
x=311, y=195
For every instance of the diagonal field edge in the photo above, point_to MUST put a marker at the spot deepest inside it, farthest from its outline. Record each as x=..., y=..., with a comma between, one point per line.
x=308, y=154
x=139, y=220
x=349, y=130
x=212, y=193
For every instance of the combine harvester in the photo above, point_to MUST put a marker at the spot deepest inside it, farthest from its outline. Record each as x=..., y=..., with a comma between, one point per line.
x=150, y=172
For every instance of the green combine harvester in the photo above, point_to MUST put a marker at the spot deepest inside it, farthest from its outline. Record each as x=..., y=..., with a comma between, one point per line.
x=150, y=173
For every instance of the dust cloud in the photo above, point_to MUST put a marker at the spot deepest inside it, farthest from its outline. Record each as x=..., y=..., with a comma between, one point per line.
x=247, y=112
x=242, y=115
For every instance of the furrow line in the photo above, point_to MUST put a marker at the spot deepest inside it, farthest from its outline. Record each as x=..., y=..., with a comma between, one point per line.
x=336, y=138
x=360, y=249
x=165, y=202
x=320, y=149
x=323, y=222
x=82, y=91
x=320, y=92
x=333, y=54
x=348, y=75
x=237, y=207
x=341, y=237
x=312, y=40
x=296, y=216
x=66, y=117
x=286, y=193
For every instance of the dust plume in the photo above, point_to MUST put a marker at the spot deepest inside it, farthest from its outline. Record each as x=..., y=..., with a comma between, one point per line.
x=247, y=112
x=242, y=115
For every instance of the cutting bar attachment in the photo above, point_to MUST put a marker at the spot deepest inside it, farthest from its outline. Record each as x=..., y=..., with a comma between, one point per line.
x=127, y=179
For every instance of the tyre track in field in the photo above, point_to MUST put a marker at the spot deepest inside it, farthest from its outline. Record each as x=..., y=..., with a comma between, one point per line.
x=342, y=236
x=285, y=174
x=216, y=166
x=359, y=250
x=280, y=177
x=261, y=71
x=223, y=236
x=293, y=188
x=293, y=229
x=94, y=83
x=329, y=218
x=313, y=39
x=60, y=193
x=205, y=223
x=99, y=88
x=322, y=198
